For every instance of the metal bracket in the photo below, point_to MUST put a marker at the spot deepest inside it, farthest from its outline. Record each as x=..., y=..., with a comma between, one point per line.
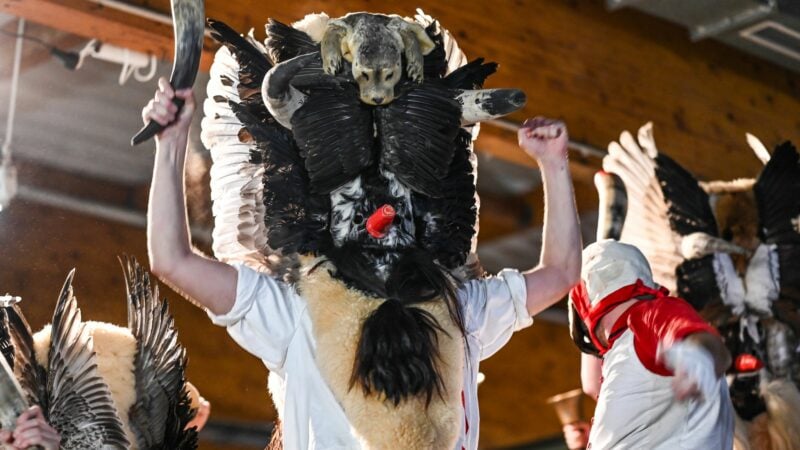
x=733, y=21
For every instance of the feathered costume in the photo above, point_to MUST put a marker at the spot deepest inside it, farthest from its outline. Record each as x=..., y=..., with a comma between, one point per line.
x=99, y=385
x=368, y=212
x=732, y=249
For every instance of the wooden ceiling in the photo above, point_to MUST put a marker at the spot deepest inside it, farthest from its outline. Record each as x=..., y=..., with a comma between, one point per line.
x=601, y=72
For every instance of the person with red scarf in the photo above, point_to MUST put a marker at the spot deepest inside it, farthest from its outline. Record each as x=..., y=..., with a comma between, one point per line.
x=661, y=383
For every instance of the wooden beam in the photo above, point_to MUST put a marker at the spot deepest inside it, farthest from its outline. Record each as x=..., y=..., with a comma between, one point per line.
x=94, y=21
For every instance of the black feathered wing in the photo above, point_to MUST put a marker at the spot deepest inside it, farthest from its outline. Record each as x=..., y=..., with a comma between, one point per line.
x=665, y=203
x=16, y=342
x=418, y=137
x=162, y=409
x=285, y=42
x=78, y=404
x=239, y=66
x=647, y=224
x=777, y=192
x=334, y=132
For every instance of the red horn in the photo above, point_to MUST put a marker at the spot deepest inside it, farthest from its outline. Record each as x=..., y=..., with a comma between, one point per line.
x=379, y=222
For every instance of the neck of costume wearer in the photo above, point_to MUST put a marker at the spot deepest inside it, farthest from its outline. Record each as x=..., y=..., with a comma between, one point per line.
x=593, y=313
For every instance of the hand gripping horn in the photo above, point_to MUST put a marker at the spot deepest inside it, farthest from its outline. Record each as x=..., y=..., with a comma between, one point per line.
x=188, y=18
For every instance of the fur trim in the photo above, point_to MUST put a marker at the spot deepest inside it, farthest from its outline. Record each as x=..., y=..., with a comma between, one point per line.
x=728, y=187
x=41, y=345
x=115, y=348
x=337, y=314
x=779, y=427
x=313, y=25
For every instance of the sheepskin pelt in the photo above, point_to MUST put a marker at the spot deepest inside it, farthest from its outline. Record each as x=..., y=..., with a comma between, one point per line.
x=115, y=348
x=337, y=313
x=779, y=427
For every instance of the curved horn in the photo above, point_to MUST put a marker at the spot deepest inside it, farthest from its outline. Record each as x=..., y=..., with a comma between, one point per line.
x=189, y=25
x=613, y=205
x=697, y=245
x=283, y=99
x=485, y=104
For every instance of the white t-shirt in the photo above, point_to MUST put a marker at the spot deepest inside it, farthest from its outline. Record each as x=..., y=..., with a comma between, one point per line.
x=270, y=320
x=637, y=409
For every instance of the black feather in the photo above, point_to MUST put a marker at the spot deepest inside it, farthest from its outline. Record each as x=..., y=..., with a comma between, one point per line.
x=285, y=42
x=434, y=64
x=253, y=62
x=697, y=282
x=418, y=133
x=79, y=404
x=162, y=409
x=777, y=192
x=446, y=225
x=253, y=66
x=295, y=219
x=16, y=341
x=334, y=132
x=471, y=75
x=689, y=210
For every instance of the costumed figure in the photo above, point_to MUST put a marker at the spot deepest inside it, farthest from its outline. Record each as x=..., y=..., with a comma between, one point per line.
x=732, y=249
x=95, y=385
x=343, y=189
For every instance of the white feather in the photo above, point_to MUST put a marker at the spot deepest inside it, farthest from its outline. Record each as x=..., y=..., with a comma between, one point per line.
x=239, y=234
x=758, y=148
x=313, y=25
x=646, y=223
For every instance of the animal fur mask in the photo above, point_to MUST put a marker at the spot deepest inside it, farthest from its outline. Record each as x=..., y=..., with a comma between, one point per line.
x=307, y=161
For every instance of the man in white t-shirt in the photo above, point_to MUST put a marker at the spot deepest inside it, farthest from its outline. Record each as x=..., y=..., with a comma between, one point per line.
x=660, y=383
x=274, y=321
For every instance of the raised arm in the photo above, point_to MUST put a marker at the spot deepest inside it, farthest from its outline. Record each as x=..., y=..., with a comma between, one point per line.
x=207, y=282
x=560, y=261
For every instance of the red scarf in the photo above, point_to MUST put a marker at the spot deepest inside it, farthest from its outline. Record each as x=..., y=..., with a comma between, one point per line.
x=591, y=314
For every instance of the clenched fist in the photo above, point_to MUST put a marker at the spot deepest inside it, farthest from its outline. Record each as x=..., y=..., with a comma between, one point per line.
x=544, y=139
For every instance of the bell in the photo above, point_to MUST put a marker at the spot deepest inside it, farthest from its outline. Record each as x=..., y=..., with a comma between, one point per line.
x=567, y=406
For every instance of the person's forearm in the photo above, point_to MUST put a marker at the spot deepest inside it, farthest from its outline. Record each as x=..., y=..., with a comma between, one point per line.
x=561, y=240
x=167, y=228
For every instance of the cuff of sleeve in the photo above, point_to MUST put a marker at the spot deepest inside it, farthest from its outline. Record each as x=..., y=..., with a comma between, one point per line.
x=519, y=297
x=245, y=284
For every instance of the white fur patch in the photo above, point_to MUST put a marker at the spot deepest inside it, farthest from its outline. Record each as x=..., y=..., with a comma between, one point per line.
x=313, y=25
x=763, y=279
x=337, y=314
x=761, y=284
x=731, y=288
x=343, y=200
x=727, y=187
x=41, y=345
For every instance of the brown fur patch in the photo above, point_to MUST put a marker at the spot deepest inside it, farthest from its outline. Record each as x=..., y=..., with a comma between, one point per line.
x=337, y=313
